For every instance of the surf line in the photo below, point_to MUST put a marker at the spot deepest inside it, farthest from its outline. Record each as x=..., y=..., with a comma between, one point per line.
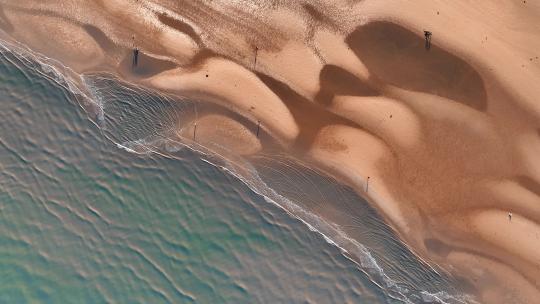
x=348, y=247
x=332, y=235
x=351, y=249
x=50, y=69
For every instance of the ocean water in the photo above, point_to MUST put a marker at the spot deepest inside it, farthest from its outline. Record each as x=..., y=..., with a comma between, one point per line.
x=99, y=205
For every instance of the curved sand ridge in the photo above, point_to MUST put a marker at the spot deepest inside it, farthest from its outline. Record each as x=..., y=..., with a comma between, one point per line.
x=448, y=138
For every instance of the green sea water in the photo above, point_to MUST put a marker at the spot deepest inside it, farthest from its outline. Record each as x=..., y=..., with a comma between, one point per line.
x=83, y=220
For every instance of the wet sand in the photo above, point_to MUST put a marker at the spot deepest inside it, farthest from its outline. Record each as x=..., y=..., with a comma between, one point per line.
x=449, y=137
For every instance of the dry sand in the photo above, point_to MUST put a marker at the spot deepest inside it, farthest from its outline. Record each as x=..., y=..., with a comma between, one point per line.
x=449, y=138
x=223, y=134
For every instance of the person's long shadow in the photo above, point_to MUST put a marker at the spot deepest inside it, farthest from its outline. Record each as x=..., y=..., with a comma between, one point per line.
x=337, y=81
x=398, y=57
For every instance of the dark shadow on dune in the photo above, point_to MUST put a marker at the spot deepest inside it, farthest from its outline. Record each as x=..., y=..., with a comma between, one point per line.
x=104, y=42
x=337, y=81
x=147, y=66
x=437, y=247
x=529, y=184
x=316, y=14
x=200, y=58
x=309, y=116
x=397, y=56
x=180, y=26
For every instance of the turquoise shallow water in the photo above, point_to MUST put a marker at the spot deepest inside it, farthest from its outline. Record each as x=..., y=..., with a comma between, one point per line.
x=84, y=221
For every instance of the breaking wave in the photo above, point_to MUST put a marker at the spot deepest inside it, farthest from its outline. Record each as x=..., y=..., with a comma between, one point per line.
x=141, y=121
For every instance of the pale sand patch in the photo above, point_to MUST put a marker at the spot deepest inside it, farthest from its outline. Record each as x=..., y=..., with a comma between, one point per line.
x=125, y=8
x=388, y=118
x=72, y=44
x=515, y=198
x=528, y=146
x=490, y=275
x=288, y=21
x=486, y=41
x=519, y=236
x=177, y=44
x=232, y=85
x=439, y=109
x=144, y=30
x=335, y=51
x=220, y=132
x=296, y=65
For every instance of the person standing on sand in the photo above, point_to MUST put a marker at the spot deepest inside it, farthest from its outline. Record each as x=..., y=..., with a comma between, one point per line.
x=427, y=35
x=510, y=216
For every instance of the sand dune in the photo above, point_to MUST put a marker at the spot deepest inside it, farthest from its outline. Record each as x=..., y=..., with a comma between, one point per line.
x=449, y=137
x=232, y=85
x=222, y=133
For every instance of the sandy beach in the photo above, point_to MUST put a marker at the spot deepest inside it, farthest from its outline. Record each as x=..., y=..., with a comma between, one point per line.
x=444, y=142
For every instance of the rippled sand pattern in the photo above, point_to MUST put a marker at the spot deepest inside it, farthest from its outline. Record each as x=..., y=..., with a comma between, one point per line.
x=442, y=142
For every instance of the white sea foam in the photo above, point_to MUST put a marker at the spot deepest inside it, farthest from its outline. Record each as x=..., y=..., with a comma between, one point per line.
x=54, y=71
x=331, y=233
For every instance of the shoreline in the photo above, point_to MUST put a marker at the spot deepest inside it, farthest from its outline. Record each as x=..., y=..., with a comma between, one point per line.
x=437, y=144
x=325, y=170
x=343, y=240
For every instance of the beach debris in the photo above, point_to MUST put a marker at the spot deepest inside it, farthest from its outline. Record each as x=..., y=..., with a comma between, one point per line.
x=194, y=131
x=427, y=35
x=510, y=216
x=258, y=127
